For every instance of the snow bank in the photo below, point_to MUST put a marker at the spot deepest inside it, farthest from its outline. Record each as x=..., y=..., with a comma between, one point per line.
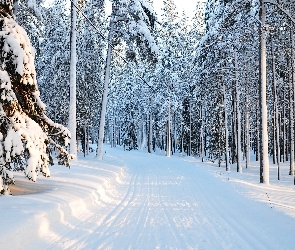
x=279, y=195
x=39, y=213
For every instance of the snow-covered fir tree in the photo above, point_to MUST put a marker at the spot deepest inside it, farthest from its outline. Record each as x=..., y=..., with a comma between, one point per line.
x=27, y=135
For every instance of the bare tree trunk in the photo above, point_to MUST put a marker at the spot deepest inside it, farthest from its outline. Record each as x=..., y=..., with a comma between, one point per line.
x=234, y=127
x=87, y=144
x=239, y=148
x=264, y=162
x=202, y=136
x=278, y=143
x=257, y=133
x=168, y=147
x=274, y=149
x=182, y=148
x=227, y=165
x=112, y=132
x=143, y=142
x=284, y=128
x=190, y=127
x=291, y=125
x=119, y=134
x=276, y=132
x=274, y=102
x=105, y=93
x=72, y=113
x=247, y=128
x=150, y=142
x=85, y=141
x=175, y=134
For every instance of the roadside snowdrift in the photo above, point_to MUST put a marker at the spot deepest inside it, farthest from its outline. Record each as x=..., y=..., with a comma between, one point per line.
x=67, y=198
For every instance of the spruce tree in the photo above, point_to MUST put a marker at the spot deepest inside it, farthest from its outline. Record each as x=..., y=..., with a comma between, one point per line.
x=26, y=133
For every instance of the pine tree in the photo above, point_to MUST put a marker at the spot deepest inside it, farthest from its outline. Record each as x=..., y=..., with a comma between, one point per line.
x=26, y=133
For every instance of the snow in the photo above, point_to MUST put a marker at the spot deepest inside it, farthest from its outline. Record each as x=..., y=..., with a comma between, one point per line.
x=136, y=200
x=141, y=25
x=24, y=143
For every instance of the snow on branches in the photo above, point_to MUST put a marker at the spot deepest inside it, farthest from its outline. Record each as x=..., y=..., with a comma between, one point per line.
x=143, y=20
x=26, y=133
x=139, y=19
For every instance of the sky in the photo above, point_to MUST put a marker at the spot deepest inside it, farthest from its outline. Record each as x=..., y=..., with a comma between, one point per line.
x=187, y=5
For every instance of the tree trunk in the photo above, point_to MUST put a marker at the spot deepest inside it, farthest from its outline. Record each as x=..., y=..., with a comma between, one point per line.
x=227, y=166
x=143, y=135
x=284, y=128
x=202, y=136
x=274, y=102
x=234, y=126
x=105, y=93
x=175, y=134
x=247, y=134
x=257, y=132
x=291, y=126
x=278, y=142
x=72, y=112
x=85, y=140
x=112, y=132
x=119, y=135
x=168, y=147
x=276, y=132
x=87, y=143
x=182, y=148
x=239, y=148
x=264, y=162
x=190, y=128
x=150, y=141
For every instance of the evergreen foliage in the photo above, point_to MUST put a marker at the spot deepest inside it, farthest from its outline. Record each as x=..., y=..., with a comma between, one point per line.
x=27, y=134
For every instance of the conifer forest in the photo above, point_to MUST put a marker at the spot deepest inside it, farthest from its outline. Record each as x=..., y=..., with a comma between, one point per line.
x=219, y=86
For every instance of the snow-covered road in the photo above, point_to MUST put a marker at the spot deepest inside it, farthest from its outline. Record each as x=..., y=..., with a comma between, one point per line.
x=171, y=203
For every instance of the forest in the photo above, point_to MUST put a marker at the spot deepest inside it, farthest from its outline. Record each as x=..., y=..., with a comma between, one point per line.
x=219, y=86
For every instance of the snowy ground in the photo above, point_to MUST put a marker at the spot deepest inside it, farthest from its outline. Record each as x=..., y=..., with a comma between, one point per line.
x=134, y=200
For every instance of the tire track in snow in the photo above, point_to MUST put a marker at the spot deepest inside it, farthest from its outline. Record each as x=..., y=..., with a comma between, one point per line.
x=171, y=223
x=147, y=228
x=172, y=204
x=111, y=225
x=140, y=211
x=120, y=221
x=85, y=235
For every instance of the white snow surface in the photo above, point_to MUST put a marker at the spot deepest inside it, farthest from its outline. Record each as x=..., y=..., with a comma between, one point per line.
x=136, y=200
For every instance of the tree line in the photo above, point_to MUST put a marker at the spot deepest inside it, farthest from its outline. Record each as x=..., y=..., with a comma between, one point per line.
x=177, y=84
